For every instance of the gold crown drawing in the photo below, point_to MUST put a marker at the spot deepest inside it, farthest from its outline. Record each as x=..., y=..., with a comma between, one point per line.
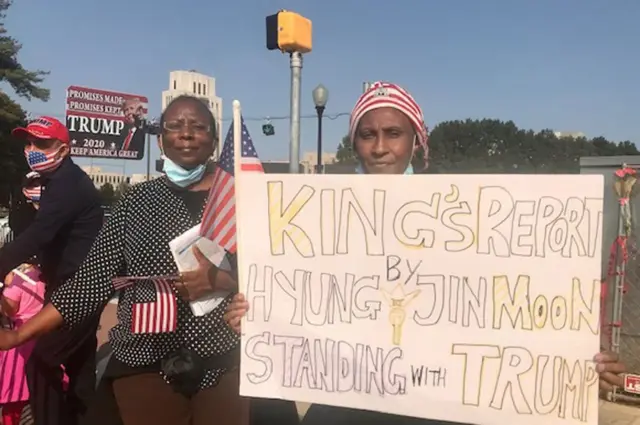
x=398, y=299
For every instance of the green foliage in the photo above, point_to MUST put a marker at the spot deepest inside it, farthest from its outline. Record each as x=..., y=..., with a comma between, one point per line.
x=121, y=189
x=345, y=153
x=13, y=166
x=26, y=84
x=494, y=146
x=108, y=194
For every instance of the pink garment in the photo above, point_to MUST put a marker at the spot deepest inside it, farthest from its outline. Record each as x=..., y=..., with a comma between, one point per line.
x=13, y=379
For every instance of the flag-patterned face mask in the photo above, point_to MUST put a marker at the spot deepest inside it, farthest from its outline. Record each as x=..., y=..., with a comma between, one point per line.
x=41, y=161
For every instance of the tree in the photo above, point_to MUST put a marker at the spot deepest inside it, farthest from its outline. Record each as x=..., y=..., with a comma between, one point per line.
x=345, y=153
x=494, y=146
x=123, y=187
x=108, y=194
x=12, y=161
x=26, y=84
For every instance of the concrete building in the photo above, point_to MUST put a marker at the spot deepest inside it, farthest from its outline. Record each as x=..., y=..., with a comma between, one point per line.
x=100, y=177
x=136, y=178
x=195, y=84
x=309, y=161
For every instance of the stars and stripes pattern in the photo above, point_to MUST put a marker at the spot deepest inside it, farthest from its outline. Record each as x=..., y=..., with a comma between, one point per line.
x=32, y=189
x=219, y=218
x=32, y=193
x=156, y=308
x=40, y=161
x=123, y=282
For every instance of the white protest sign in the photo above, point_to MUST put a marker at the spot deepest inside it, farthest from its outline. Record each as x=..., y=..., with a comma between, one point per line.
x=468, y=298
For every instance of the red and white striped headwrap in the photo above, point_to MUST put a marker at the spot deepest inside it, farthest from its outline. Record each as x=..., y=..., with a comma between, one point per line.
x=389, y=95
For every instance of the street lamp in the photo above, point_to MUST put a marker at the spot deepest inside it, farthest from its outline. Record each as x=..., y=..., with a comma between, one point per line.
x=320, y=98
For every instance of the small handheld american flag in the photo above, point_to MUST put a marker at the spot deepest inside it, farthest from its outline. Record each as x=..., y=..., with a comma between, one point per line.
x=156, y=310
x=219, y=218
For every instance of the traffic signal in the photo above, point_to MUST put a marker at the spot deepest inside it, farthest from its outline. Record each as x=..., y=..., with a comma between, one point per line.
x=268, y=129
x=288, y=32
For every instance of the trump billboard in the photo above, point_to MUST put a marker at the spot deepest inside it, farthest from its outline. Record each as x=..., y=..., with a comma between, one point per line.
x=106, y=124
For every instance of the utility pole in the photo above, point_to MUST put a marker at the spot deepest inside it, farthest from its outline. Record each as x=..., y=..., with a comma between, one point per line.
x=296, y=81
x=290, y=33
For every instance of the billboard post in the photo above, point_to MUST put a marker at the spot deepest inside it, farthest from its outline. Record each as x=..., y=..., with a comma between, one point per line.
x=152, y=129
x=106, y=124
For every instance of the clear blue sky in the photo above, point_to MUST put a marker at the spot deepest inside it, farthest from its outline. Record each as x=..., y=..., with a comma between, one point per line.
x=567, y=65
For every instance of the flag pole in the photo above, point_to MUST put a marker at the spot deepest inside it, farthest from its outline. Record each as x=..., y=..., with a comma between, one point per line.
x=237, y=156
x=237, y=136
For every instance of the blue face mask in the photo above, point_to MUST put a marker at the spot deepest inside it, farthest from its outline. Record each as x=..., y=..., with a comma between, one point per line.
x=181, y=177
x=409, y=170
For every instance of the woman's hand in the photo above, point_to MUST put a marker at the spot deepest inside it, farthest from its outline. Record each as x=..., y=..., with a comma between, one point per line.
x=236, y=311
x=206, y=279
x=611, y=370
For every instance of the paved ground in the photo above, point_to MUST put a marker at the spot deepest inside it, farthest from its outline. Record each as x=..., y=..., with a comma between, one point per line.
x=610, y=413
x=302, y=408
x=618, y=414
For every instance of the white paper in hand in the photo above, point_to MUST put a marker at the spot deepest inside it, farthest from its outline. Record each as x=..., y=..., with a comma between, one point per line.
x=182, y=251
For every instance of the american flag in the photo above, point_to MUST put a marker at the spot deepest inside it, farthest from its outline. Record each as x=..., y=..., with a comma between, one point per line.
x=219, y=218
x=32, y=193
x=156, y=308
x=32, y=189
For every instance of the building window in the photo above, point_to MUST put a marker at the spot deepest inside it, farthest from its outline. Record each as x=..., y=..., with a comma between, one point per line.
x=204, y=89
x=174, y=84
x=194, y=88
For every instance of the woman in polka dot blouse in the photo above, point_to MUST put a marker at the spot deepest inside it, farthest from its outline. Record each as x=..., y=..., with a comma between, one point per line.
x=150, y=382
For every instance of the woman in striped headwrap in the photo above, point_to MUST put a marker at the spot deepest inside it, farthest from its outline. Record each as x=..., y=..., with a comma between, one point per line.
x=388, y=130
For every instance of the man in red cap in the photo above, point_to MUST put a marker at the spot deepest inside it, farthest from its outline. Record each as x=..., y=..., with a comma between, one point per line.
x=67, y=222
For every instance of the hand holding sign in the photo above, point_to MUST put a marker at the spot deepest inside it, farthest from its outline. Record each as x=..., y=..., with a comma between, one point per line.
x=610, y=369
x=236, y=311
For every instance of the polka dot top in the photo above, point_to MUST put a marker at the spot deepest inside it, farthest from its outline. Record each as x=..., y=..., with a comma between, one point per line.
x=135, y=242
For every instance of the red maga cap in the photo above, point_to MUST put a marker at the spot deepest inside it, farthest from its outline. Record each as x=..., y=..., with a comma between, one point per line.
x=43, y=128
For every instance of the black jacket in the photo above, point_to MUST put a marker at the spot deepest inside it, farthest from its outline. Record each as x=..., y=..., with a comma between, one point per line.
x=63, y=230
x=21, y=215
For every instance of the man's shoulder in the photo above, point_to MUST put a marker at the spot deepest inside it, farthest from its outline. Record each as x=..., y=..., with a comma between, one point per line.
x=71, y=179
x=81, y=178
